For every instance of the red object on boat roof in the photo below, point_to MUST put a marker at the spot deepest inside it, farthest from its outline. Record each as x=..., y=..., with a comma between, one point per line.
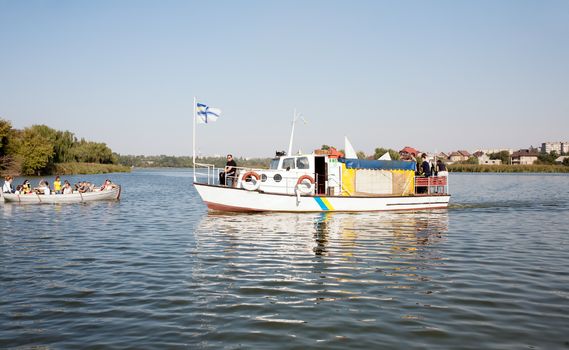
x=331, y=152
x=409, y=150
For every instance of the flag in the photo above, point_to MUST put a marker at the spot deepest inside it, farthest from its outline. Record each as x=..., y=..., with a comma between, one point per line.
x=205, y=114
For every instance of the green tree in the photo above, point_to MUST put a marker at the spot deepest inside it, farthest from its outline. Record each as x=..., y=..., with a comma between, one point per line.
x=566, y=161
x=64, y=141
x=34, y=150
x=504, y=156
x=471, y=160
x=381, y=151
x=547, y=158
x=92, y=152
x=5, y=130
x=361, y=155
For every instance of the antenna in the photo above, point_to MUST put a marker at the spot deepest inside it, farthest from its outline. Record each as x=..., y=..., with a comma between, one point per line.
x=295, y=117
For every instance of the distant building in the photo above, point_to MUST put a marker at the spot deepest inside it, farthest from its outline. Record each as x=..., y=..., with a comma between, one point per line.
x=485, y=159
x=561, y=159
x=559, y=147
x=525, y=156
x=495, y=150
x=442, y=155
x=459, y=156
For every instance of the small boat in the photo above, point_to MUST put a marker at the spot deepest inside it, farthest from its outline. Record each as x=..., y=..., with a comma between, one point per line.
x=75, y=197
x=324, y=182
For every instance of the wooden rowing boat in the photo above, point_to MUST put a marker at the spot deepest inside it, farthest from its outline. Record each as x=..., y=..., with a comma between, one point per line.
x=76, y=197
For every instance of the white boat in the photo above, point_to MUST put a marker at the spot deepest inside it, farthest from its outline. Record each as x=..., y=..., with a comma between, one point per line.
x=75, y=197
x=324, y=182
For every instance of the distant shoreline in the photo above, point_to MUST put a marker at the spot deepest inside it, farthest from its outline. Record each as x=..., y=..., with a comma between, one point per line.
x=506, y=168
x=77, y=168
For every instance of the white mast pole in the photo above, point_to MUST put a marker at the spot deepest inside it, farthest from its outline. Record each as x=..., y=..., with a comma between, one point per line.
x=194, y=139
x=291, y=133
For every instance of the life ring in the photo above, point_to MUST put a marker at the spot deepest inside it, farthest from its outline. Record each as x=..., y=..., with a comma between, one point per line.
x=305, y=185
x=251, y=181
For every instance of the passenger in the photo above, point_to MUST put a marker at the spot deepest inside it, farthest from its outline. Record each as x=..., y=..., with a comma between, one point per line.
x=441, y=168
x=425, y=166
x=57, y=185
x=18, y=189
x=81, y=187
x=108, y=185
x=229, y=172
x=67, y=188
x=26, y=188
x=7, y=188
x=43, y=188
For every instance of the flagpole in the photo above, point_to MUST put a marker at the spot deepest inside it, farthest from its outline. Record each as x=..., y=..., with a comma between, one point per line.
x=194, y=139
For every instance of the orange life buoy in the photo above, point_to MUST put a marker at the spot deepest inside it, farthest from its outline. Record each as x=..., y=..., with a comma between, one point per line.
x=248, y=183
x=301, y=186
x=305, y=177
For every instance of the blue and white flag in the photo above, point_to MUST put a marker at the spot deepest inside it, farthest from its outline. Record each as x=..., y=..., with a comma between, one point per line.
x=205, y=114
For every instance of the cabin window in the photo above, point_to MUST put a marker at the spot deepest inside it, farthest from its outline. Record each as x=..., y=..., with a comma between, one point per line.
x=274, y=164
x=288, y=163
x=277, y=177
x=302, y=163
x=263, y=178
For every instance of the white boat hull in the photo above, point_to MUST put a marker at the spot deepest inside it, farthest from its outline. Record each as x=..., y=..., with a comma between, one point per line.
x=33, y=198
x=240, y=200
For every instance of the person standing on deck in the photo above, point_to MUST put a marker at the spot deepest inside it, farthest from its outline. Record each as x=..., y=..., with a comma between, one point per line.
x=425, y=166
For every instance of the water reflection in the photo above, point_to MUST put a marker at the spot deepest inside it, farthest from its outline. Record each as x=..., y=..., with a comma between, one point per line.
x=284, y=233
x=298, y=263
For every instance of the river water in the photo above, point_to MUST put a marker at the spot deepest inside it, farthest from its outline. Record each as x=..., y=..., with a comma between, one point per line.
x=156, y=271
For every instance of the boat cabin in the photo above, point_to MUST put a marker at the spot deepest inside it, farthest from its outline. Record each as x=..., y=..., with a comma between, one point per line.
x=330, y=175
x=286, y=172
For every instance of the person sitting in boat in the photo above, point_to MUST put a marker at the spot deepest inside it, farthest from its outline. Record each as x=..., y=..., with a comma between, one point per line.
x=80, y=188
x=108, y=185
x=43, y=188
x=57, y=185
x=227, y=176
x=7, y=188
x=84, y=187
x=18, y=189
x=26, y=187
x=67, y=189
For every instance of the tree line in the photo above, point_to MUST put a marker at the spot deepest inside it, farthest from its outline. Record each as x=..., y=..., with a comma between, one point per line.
x=36, y=150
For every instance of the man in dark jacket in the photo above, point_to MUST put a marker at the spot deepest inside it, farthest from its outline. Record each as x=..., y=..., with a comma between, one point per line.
x=229, y=172
x=425, y=166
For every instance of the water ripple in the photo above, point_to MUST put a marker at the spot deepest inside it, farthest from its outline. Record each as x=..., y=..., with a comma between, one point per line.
x=487, y=273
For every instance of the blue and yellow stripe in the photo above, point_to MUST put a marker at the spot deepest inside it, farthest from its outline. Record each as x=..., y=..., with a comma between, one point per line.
x=324, y=203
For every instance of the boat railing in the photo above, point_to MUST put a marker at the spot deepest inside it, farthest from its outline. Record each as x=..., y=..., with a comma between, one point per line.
x=205, y=173
x=431, y=185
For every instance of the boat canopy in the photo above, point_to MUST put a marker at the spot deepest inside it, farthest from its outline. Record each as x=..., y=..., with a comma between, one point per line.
x=378, y=164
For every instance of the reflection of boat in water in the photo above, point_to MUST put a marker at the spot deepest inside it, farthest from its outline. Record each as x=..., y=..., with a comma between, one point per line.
x=348, y=232
x=76, y=197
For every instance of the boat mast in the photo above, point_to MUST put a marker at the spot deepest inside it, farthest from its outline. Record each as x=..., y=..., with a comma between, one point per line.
x=295, y=117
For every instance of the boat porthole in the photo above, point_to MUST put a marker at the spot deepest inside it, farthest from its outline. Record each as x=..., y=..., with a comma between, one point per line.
x=277, y=177
x=263, y=178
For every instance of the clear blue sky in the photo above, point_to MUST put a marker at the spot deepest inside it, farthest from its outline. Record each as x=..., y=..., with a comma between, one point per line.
x=436, y=75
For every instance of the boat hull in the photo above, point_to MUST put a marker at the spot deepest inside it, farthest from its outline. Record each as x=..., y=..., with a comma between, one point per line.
x=240, y=200
x=113, y=194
